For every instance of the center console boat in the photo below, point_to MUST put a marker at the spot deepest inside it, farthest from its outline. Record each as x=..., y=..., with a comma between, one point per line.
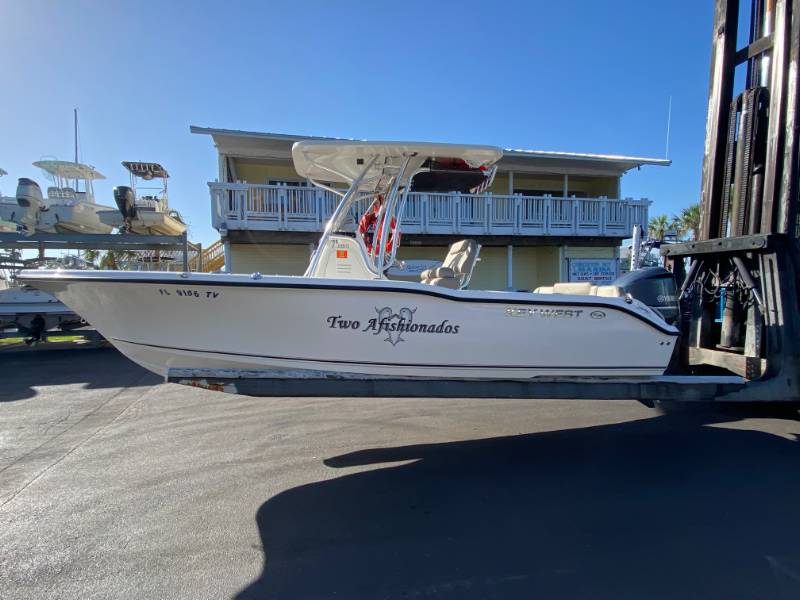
x=144, y=204
x=66, y=208
x=344, y=316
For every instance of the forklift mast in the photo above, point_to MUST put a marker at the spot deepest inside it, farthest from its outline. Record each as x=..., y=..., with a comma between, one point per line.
x=738, y=282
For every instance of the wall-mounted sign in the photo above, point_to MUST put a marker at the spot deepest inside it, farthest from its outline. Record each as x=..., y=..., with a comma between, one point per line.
x=593, y=270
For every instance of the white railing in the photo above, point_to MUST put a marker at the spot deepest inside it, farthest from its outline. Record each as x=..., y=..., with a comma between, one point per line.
x=286, y=208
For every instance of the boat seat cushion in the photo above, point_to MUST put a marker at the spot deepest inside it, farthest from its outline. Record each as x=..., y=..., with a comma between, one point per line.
x=457, y=267
x=438, y=272
x=582, y=289
x=609, y=291
x=453, y=283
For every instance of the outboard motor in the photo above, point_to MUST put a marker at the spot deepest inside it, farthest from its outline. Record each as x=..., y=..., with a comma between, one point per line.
x=29, y=198
x=655, y=287
x=125, y=199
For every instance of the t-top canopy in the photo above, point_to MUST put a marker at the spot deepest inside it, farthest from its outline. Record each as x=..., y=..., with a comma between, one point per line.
x=145, y=170
x=68, y=170
x=344, y=161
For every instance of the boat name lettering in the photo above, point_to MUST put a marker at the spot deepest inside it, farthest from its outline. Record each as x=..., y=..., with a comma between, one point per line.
x=189, y=293
x=547, y=313
x=394, y=324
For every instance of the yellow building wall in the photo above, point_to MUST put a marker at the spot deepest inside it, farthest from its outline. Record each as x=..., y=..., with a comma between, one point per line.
x=532, y=265
x=590, y=252
x=270, y=259
x=499, y=185
x=535, y=266
x=259, y=172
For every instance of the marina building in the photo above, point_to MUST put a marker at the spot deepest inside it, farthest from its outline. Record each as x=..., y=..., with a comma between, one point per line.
x=548, y=216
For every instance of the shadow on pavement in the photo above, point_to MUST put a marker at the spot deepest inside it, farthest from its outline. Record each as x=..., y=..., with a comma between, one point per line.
x=666, y=507
x=96, y=368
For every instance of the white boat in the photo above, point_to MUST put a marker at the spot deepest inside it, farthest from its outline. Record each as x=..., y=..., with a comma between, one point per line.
x=344, y=316
x=145, y=209
x=66, y=208
x=19, y=305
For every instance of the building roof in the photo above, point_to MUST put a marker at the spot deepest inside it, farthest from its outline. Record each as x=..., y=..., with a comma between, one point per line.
x=278, y=146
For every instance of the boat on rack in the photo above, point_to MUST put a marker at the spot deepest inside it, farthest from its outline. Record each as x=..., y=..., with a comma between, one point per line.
x=145, y=208
x=8, y=210
x=66, y=208
x=344, y=316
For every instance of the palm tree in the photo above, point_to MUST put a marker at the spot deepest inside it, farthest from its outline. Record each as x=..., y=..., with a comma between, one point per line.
x=658, y=227
x=688, y=221
x=91, y=255
x=113, y=259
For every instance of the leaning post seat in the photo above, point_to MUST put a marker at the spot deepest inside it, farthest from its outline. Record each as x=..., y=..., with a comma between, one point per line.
x=456, y=270
x=582, y=289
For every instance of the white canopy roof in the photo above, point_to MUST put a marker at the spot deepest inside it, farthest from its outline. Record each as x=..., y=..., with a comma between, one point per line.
x=343, y=161
x=68, y=170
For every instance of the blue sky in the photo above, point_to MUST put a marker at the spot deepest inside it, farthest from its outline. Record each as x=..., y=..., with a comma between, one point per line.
x=582, y=76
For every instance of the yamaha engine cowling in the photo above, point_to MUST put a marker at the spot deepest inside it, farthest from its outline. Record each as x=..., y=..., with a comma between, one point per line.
x=654, y=286
x=124, y=197
x=29, y=198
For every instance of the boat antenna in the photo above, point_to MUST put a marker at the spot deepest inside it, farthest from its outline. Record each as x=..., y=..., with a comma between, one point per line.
x=669, y=120
x=75, y=121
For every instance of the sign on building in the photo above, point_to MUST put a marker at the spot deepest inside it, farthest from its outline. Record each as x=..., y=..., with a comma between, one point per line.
x=593, y=270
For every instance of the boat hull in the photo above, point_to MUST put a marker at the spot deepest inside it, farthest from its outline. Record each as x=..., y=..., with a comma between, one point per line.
x=79, y=217
x=371, y=328
x=156, y=223
x=10, y=211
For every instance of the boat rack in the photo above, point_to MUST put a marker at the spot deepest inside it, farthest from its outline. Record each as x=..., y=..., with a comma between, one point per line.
x=102, y=241
x=325, y=384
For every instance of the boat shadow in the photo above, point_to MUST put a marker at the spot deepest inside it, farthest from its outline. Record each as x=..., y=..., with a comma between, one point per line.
x=667, y=507
x=96, y=368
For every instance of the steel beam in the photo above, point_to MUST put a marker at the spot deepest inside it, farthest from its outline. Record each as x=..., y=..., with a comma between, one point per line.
x=95, y=241
x=744, y=243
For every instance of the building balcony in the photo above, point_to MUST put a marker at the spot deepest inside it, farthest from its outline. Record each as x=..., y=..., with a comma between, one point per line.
x=241, y=206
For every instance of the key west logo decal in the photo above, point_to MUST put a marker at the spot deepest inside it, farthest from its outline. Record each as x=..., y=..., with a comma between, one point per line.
x=393, y=324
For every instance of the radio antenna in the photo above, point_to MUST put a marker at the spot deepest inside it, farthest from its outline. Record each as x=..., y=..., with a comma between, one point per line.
x=669, y=120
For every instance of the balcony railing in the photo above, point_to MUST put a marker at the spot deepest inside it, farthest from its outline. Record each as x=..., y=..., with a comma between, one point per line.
x=286, y=208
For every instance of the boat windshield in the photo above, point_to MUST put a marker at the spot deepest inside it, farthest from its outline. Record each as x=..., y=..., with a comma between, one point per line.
x=380, y=176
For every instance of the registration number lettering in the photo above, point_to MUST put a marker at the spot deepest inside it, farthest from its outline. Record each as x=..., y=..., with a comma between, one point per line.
x=189, y=293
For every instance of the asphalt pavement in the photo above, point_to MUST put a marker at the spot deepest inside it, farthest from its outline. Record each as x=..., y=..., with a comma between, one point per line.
x=114, y=485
